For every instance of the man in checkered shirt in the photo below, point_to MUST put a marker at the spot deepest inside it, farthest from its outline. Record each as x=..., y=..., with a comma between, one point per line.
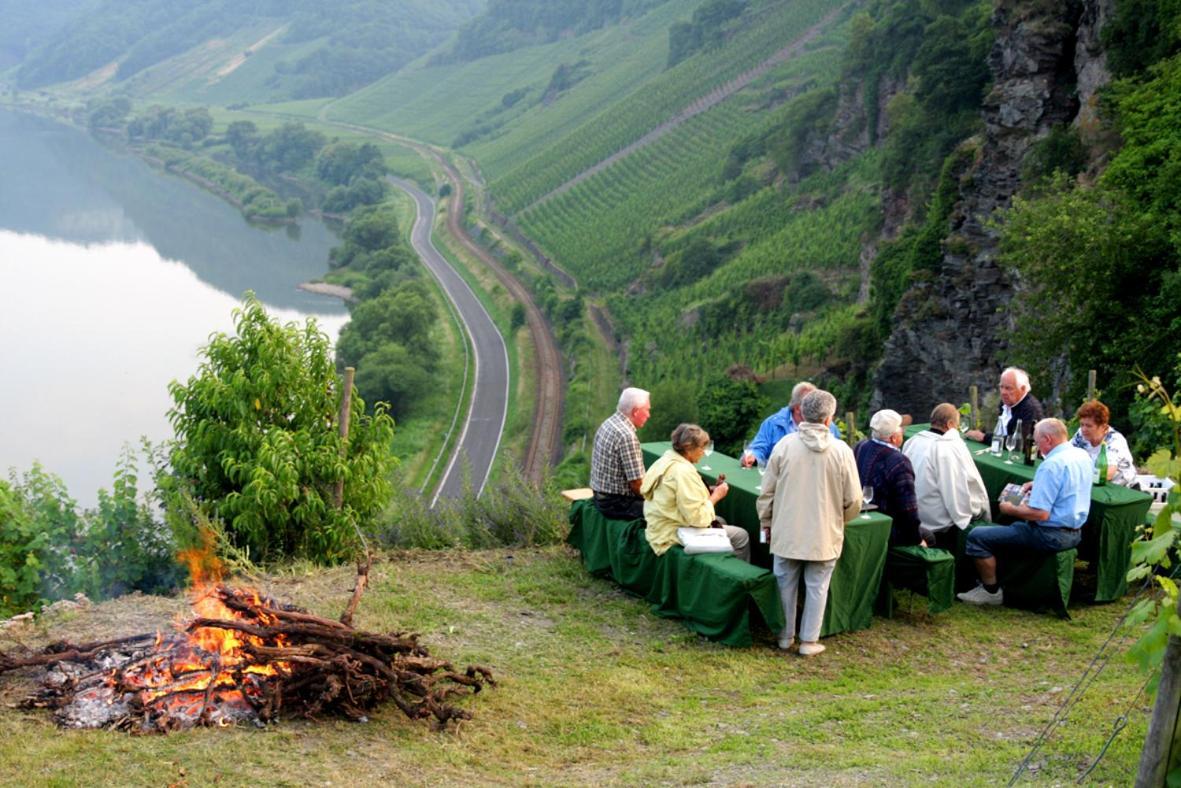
x=617, y=465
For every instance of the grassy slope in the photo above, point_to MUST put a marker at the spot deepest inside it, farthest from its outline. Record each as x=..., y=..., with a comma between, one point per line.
x=594, y=689
x=436, y=103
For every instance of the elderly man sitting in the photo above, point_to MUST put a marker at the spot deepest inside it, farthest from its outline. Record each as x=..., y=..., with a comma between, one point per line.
x=882, y=466
x=617, y=464
x=951, y=493
x=1017, y=404
x=1052, y=519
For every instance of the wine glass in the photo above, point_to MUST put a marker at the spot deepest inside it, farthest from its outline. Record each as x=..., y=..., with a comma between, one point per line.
x=1010, y=445
x=709, y=449
x=866, y=499
x=745, y=453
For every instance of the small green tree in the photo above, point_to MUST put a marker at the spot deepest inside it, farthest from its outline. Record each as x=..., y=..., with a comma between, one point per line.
x=257, y=446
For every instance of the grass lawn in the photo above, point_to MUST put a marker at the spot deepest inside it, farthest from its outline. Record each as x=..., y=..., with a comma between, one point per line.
x=595, y=689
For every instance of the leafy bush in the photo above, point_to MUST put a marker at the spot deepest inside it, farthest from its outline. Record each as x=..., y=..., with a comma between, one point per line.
x=511, y=512
x=257, y=443
x=48, y=550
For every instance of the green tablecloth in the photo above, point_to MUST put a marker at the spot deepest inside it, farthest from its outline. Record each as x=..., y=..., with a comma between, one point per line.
x=858, y=573
x=715, y=595
x=1110, y=528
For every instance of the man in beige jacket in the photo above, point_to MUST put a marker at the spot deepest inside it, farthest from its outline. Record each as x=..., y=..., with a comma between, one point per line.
x=810, y=491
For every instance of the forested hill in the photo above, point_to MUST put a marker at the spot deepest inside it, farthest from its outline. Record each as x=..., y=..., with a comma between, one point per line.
x=511, y=24
x=274, y=48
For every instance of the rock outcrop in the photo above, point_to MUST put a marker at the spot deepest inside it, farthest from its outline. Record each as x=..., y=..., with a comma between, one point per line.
x=950, y=332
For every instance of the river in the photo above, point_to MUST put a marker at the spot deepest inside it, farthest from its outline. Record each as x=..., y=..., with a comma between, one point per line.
x=112, y=276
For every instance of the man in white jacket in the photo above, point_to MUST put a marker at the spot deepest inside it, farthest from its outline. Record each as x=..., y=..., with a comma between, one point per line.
x=947, y=484
x=811, y=489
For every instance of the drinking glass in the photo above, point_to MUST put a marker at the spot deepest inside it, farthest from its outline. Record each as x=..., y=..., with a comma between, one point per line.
x=1010, y=445
x=709, y=449
x=866, y=499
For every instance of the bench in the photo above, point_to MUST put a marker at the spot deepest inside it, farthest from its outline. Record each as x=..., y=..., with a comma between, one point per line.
x=1031, y=581
x=718, y=596
x=923, y=570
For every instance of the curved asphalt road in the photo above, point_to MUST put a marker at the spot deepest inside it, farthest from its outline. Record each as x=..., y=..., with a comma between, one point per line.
x=480, y=432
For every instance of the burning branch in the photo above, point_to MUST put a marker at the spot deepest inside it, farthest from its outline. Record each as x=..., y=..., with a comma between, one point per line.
x=247, y=658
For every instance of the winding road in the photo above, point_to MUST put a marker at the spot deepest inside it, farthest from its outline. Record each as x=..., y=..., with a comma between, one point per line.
x=481, y=428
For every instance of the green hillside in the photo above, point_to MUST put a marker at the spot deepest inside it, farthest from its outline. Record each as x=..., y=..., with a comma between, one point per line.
x=316, y=49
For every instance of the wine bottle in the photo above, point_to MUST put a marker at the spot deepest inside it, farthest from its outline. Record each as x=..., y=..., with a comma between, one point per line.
x=1101, y=465
x=1031, y=448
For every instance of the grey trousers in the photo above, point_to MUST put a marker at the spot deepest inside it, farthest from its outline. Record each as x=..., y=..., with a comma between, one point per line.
x=817, y=575
x=740, y=541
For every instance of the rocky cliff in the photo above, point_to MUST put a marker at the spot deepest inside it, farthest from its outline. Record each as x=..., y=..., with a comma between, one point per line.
x=950, y=332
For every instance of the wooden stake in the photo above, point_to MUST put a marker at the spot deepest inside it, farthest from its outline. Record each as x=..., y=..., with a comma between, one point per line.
x=851, y=423
x=346, y=402
x=1161, y=749
x=974, y=404
x=1092, y=387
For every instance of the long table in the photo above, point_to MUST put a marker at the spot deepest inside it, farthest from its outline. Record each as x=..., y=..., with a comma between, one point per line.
x=858, y=573
x=1110, y=528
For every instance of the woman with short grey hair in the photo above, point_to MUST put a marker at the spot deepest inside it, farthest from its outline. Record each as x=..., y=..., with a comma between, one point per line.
x=676, y=497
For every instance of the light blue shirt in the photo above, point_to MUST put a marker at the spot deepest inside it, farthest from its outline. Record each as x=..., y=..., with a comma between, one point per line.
x=773, y=428
x=1062, y=487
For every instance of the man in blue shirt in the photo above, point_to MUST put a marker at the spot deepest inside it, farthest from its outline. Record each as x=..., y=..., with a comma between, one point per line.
x=1059, y=500
x=777, y=425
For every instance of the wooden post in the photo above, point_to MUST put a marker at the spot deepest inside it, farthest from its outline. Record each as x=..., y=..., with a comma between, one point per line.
x=346, y=402
x=1092, y=388
x=974, y=404
x=1160, y=745
x=851, y=423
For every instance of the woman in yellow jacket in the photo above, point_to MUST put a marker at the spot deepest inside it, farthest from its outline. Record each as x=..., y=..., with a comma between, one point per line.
x=676, y=497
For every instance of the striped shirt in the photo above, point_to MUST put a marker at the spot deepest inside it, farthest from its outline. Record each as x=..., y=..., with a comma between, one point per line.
x=616, y=458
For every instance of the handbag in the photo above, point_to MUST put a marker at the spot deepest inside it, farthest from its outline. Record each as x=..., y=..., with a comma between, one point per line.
x=704, y=540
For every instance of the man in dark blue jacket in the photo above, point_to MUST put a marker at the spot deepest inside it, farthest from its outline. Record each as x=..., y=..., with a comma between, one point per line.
x=882, y=466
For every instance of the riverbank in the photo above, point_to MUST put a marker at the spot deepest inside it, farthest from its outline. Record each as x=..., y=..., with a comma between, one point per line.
x=324, y=288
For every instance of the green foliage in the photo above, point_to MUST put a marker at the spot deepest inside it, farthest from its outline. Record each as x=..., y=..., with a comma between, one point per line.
x=510, y=24
x=171, y=125
x=706, y=29
x=107, y=112
x=341, y=162
x=730, y=411
x=511, y=512
x=1141, y=33
x=390, y=340
x=257, y=444
x=1148, y=167
x=1061, y=150
x=1157, y=551
x=1089, y=260
x=333, y=49
x=252, y=198
x=49, y=550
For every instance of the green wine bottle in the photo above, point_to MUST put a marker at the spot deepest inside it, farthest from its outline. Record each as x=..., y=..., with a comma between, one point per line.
x=1101, y=465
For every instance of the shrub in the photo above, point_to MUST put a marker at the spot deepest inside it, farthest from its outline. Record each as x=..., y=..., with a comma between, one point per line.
x=257, y=443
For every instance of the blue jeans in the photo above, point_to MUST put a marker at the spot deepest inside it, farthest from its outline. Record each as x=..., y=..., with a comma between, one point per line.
x=985, y=540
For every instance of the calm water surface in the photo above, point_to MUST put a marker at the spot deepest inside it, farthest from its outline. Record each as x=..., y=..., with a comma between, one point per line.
x=112, y=276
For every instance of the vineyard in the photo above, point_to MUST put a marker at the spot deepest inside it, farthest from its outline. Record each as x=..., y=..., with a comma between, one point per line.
x=645, y=108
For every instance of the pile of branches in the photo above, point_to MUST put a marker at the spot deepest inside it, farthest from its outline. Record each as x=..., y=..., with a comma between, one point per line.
x=321, y=666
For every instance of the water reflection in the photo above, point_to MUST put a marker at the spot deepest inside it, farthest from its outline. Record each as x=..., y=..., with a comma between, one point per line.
x=111, y=277
x=60, y=183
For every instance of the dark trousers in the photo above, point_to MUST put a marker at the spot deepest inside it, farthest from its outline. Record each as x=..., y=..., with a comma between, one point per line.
x=619, y=507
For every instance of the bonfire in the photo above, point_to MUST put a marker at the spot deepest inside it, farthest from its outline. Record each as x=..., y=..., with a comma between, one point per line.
x=241, y=657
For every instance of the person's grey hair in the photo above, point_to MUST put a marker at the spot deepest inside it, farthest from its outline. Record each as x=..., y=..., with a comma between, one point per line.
x=1051, y=428
x=799, y=391
x=944, y=415
x=632, y=398
x=688, y=436
x=1021, y=375
x=818, y=406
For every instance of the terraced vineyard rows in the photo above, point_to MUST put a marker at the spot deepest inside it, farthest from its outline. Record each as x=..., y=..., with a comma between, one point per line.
x=661, y=99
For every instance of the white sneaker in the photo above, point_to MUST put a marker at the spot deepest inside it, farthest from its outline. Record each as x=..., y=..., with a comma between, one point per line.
x=785, y=641
x=810, y=649
x=980, y=596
